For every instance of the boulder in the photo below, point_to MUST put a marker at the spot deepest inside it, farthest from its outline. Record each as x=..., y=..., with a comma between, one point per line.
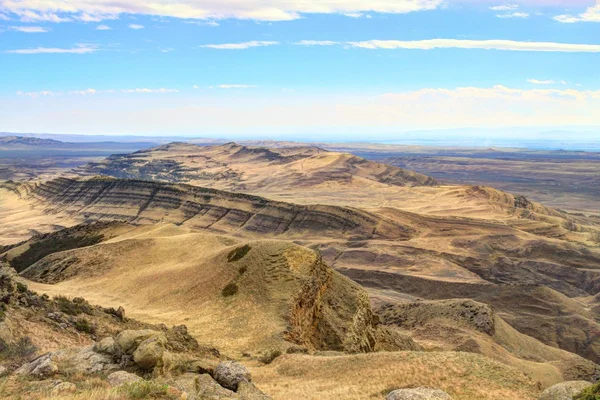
x=149, y=353
x=202, y=366
x=106, y=346
x=40, y=368
x=247, y=391
x=85, y=360
x=229, y=374
x=129, y=340
x=201, y=387
x=418, y=394
x=119, y=378
x=564, y=390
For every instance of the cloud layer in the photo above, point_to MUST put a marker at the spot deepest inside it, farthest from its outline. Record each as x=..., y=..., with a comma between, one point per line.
x=477, y=44
x=240, y=46
x=261, y=10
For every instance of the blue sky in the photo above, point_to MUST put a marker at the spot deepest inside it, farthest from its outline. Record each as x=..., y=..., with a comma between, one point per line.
x=282, y=68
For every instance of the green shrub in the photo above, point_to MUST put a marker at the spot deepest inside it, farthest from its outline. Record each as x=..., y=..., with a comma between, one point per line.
x=145, y=390
x=589, y=393
x=230, y=289
x=83, y=325
x=76, y=306
x=238, y=253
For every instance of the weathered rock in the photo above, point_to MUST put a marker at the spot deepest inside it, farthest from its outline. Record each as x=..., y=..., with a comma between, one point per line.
x=64, y=388
x=229, y=374
x=202, y=387
x=122, y=377
x=564, y=390
x=40, y=368
x=85, y=360
x=3, y=371
x=149, y=353
x=106, y=346
x=247, y=391
x=128, y=341
x=418, y=394
x=202, y=366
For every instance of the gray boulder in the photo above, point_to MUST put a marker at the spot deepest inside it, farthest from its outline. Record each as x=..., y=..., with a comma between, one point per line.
x=119, y=378
x=106, y=346
x=564, y=390
x=64, y=388
x=40, y=368
x=418, y=394
x=129, y=340
x=230, y=374
x=201, y=387
x=85, y=360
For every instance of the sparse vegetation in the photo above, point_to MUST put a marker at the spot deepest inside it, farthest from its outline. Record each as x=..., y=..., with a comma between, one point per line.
x=269, y=356
x=238, y=253
x=590, y=393
x=18, y=352
x=83, y=325
x=230, y=289
x=73, y=307
x=146, y=390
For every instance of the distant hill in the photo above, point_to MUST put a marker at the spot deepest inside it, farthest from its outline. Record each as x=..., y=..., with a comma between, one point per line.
x=254, y=169
x=28, y=141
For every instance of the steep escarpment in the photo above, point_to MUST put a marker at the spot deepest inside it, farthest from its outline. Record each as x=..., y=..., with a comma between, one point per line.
x=149, y=202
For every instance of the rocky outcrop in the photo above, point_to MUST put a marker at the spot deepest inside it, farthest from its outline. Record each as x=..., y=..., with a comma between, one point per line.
x=119, y=378
x=230, y=374
x=418, y=394
x=564, y=390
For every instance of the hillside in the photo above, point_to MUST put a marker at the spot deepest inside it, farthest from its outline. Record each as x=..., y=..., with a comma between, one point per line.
x=22, y=141
x=239, y=168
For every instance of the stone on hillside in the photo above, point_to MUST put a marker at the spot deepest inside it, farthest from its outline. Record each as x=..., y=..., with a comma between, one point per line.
x=128, y=341
x=418, y=394
x=201, y=387
x=85, y=360
x=122, y=377
x=64, y=388
x=247, y=391
x=40, y=368
x=149, y=353
x=229, y=374
x=564, y=390
x=106, y=346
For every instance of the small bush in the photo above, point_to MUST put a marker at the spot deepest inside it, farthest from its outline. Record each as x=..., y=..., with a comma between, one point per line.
x=229, y=290
x=243, y=270
x=76, y=306
x=83, y=325
x=589, y=393
x=23, y=349
x=238, y=253
x=145, y=390
x=269, y=356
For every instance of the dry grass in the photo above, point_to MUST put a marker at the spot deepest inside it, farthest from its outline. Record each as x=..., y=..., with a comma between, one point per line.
x=369, y=376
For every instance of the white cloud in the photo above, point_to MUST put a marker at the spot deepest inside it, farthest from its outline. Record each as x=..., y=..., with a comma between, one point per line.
x=103, y=28
x=35, y=16
x=135, y=26
x=539, y=82
x=29, y=29
x=4, y=17
x=79, y=49
x=478, y=44
x=514, y=15
x=240, y=46
x=316, y=43
x=260, y=10
x=505, y=7
x=592, y=14
x=43, y=93
x=146, y=90
x=236, y=86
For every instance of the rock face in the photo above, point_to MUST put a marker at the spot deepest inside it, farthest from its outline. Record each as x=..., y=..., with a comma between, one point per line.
x=418, y=394
x=40, y=368
x=128, y=341
x=121, y=377
x=230, y=374
x=564, y=390
x=149, y=353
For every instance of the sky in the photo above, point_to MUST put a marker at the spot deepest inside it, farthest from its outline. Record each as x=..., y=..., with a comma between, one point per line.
x=356, y=69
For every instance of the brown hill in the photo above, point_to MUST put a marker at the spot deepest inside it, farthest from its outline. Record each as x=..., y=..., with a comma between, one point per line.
x=239, y=168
